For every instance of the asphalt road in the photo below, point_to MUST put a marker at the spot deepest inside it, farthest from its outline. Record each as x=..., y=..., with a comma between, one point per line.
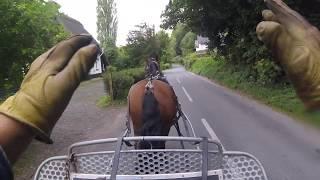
x=287, y=149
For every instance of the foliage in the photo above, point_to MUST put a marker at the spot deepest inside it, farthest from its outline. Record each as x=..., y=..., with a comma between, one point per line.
x=187, y=43
x=230, y=26
x=107, y=26
x=163, y=39
x=136, y=73
x=267, y=71
x=189, y=60
x=122, y=81
x=104, y=101
x=165, y=66
x=123, y=60
x=142, y=42
x=28, y=28
x=177, y=60
x=178, y=34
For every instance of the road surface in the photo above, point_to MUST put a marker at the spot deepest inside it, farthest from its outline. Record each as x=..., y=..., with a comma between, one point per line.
x=287, y=149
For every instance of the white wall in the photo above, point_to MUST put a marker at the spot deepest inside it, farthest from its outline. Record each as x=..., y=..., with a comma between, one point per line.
x=202, y=47
x=97, y=67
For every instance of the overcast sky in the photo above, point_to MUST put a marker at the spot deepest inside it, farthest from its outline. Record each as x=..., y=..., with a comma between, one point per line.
x=130, y=13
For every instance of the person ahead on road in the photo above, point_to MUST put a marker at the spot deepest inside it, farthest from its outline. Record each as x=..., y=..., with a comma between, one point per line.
x=53, y=77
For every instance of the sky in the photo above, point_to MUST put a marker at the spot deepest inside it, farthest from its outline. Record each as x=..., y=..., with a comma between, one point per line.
x=130, y=13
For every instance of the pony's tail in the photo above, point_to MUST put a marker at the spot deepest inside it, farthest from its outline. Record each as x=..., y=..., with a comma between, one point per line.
x=151, y=119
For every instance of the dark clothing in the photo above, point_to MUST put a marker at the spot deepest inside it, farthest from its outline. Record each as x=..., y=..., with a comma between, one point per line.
x=5, y=168
x=152, y=68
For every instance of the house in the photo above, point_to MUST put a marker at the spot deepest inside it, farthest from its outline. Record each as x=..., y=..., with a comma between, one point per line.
x=201, y=44
x=75, y=27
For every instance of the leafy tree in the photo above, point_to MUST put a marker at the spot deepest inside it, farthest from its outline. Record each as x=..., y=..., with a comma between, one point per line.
x=178, y=34
x=230, y=26
x=171, y=47
x=123, y=60
x=28, y=28
x=141, y=43
x=187, y=43
x=163, y=40
x=107, y=26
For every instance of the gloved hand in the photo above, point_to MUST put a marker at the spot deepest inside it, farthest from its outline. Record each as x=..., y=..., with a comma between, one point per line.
x=48, y=86
x=295, y=43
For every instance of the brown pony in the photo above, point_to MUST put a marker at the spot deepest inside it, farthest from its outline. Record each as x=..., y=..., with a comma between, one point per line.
x=152, y=109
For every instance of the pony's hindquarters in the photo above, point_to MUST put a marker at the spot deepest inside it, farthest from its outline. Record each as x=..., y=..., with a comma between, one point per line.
x=152, y=111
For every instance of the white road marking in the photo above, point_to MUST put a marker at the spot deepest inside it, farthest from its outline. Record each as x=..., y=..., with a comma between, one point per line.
x=210, y=130
x=187, y=94
x=178, y=80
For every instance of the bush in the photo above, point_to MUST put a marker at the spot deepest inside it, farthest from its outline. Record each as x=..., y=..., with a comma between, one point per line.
x=122, y=81
x=206, y=66
x=165, y=66
x=137, y=74
x=189, y=60
x=267, y=71
x=177, y=60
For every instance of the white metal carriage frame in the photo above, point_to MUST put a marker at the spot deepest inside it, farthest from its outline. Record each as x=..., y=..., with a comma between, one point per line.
x=152, y=163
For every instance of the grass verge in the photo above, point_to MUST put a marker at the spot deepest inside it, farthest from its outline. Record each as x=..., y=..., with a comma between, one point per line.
x=279, y=97
x=105, y=101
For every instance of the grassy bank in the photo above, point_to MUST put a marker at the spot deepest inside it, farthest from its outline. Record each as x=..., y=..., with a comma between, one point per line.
x=280, y=97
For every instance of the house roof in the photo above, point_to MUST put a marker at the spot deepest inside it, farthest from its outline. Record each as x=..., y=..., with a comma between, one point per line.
x=75, y=27
x=72, y=25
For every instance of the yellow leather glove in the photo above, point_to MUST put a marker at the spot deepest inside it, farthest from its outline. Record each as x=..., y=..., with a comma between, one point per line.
x=295, y=43
x=48, y=86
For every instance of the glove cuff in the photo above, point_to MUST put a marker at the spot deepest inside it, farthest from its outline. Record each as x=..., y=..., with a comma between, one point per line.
x=28, y=114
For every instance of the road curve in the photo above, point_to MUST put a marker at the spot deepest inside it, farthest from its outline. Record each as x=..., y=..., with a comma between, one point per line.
x=288, y=150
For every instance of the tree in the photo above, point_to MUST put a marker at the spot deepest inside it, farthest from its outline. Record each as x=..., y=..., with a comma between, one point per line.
x=28, y=28
x=107, y=26
x=163, y=40
x=141, y=43
x=187, y=43
x=230, y=26
x=178, y=34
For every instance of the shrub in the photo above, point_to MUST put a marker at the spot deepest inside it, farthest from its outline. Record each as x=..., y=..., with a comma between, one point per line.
x=189, y=60
x=177, y=59
x=206, y=66
x=136, y=73
x=267, y=71
x=165, y=66
x=121, y=82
